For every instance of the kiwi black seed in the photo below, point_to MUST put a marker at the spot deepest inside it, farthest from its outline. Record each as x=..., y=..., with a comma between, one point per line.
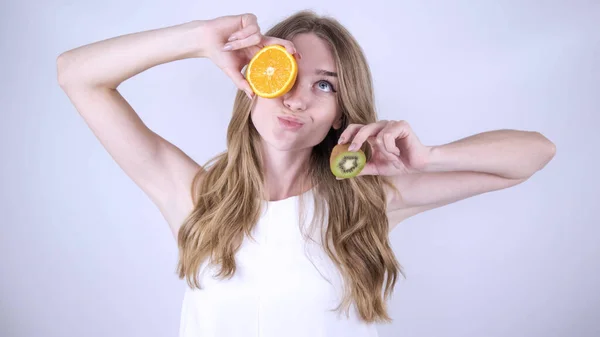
x=346, y=164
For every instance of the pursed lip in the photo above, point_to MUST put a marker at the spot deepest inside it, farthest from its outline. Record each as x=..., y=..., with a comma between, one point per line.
x=291, y=119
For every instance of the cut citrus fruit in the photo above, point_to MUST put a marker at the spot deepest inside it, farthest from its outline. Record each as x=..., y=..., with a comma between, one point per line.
x=272, y=71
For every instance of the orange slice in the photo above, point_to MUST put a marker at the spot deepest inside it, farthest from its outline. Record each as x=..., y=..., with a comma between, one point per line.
x=272, y=71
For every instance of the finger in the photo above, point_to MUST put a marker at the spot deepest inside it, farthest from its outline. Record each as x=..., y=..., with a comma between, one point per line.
x=249, y=19
x=387, y=138
x=244, y=33
x=239, y=81
x=389, y=141
x=289, y=45
x=249, y=41
x=364, y=133
x=370, y=169
x=349, y=133
x=380, y=148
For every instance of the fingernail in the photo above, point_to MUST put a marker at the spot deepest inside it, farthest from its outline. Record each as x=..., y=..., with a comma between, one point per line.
x=299, y=56
x=232, y=38
x=249, y=94
x=352, y=147
x=227, y=47
x=341, y=140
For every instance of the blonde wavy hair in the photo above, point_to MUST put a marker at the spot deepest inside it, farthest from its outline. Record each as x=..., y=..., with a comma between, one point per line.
x=228, y=195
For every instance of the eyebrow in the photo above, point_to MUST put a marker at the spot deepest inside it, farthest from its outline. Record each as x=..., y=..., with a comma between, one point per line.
x=326, y=73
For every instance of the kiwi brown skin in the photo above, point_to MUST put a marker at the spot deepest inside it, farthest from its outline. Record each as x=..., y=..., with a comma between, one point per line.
x=339, y=154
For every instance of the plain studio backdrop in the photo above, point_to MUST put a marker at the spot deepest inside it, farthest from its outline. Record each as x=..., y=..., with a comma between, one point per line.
x=83, y=252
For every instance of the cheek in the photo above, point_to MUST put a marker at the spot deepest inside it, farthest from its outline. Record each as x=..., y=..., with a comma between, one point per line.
x=329, y=115
x=263, y=119
x=259, y=120
x=324, y=122
x=260, y=112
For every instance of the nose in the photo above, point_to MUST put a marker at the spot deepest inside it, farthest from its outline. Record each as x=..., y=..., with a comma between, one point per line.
x=294, y=99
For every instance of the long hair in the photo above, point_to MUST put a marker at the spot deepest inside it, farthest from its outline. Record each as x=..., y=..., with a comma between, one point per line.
x=228, y=195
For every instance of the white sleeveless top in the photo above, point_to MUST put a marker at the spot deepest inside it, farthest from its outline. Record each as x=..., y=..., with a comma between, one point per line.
x=284, y=286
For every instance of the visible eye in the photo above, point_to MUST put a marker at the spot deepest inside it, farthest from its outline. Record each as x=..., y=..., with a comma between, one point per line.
x=325, y=85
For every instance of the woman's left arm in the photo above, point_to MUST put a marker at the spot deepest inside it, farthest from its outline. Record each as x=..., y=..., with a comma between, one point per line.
x=510, y=154
x=432, y=176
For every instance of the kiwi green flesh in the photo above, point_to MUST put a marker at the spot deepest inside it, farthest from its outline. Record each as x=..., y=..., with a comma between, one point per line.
x=348, y=164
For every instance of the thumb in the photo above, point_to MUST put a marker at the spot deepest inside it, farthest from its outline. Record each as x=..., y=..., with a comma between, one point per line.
x=239, y=81
x=369, y=170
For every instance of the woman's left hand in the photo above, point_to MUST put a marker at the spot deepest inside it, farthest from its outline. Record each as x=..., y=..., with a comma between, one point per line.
x=395, y=148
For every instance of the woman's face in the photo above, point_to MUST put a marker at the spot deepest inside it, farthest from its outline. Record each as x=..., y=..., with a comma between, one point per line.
x=312, y=101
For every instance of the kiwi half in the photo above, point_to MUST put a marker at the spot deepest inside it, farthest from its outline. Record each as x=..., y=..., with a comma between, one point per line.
x=346, y=164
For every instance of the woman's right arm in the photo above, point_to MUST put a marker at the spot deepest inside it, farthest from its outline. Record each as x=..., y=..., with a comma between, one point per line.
x=90, y=75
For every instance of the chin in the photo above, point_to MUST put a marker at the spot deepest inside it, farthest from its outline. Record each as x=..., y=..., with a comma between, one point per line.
x=281, y=145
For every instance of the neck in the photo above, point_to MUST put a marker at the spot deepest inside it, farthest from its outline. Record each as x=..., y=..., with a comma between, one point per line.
x=285, y=172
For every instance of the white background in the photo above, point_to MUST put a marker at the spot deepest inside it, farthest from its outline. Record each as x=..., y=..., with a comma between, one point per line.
x=83, y=252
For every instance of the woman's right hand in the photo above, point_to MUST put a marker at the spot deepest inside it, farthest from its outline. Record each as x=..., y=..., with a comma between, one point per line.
x=232, y=41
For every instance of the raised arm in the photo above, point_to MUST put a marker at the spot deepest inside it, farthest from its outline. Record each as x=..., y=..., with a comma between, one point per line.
x=90, y=75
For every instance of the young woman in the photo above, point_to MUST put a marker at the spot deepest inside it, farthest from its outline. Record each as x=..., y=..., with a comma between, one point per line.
x=271, y=243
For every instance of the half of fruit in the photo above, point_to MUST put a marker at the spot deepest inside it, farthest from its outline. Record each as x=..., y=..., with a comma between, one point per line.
x=272, y=71
x=346, y=164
